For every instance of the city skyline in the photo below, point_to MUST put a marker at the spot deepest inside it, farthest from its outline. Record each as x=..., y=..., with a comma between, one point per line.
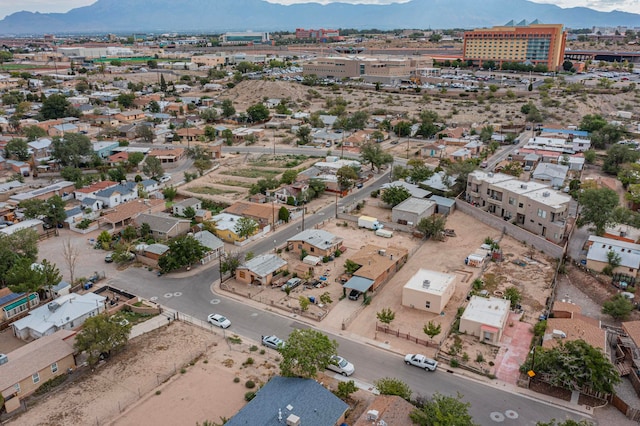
x=61, y=6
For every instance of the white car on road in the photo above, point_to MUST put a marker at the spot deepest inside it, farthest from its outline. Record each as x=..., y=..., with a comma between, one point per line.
x=273, y=342
x=341, y=365
x=421, y=361
x=218, y=320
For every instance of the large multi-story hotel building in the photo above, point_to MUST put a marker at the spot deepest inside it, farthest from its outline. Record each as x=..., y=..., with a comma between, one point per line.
x=533, y=44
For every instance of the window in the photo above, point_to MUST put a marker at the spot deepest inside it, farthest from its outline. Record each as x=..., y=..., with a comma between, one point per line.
x=520, y=205
x=54, y=367
x=312, y=249
x=427, y=304
x=16, y=387
x=35, y=377
x=242, y=274
x=512, y=201
x=542, y=213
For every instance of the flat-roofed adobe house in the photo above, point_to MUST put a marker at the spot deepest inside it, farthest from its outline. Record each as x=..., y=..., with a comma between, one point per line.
x=261, y=269
x=485, y=318
x=315, y=242
x=25, y=369
x=428, y=291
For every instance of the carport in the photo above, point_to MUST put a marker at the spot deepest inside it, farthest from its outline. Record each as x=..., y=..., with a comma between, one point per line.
x=359, y=283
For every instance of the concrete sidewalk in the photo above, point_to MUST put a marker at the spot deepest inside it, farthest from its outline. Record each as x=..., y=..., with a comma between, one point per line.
x=158, y=321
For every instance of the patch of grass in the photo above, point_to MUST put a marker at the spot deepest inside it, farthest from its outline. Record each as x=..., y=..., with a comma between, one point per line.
x=249, y=361
x=236, y=380
x=253, y=348
x=158, y=392
x=252, y=173
x=229, y=182
x=211, y=191
x=183, y=370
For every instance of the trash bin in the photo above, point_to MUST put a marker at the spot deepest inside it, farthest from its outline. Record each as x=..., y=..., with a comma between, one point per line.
x=88, y=285
x=312, y=299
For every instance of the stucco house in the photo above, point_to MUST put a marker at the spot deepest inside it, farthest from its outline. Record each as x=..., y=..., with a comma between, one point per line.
x=315, y=242
x=412, y=210
x=485, y=318
x=179, y=207
x=599, y=247
x=163, y=226
x=428, y=291
x=261, y=269
x=118, y=194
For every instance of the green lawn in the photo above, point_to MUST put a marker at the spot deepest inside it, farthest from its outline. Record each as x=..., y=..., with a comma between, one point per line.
x=16, y=67
x=211, y=191
x=229, y=182
x=252, y=173
x=283, y=161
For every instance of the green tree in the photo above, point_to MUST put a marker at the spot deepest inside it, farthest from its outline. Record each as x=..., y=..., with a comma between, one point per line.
x=23, y=277
x=54, y=212
x=568, y=422
x=145, y=230
x=170, y=193
x=432, y=329
x=22, y=244
x=513, y=295
x=385, y=316
x=245, y=227
x=304, y=303
x=345, y=389
x=145, y=133
x=442, y=410
x=209, y=115
x=183, y=251
x=617, y=155
x=432, y=226
x=283, y=214
x=227, y=108
x=350, y=266
x=372, y=153
x=153, y=167
x=573, y=365
x=598, y=205
x=129, y=233
x=257, y=112
x=154, y=107
x=202, y=165
x=391, y=386
x=72, y=149
x=485, y=133
x=55, y=106
x=17, y=149
x=117, y=174
x=163, y=83
x=33, y=132
x=514, y=168
x=126, y=100
x=288, y=177
x=230, y=263
x=101, y=335
x=306, y=353
x=395, y=195
x=134, y=158
x=402, y=129
x=592, y=122
x=346, y=176
x=304, y=135
x=619, y=307
x=189, y=212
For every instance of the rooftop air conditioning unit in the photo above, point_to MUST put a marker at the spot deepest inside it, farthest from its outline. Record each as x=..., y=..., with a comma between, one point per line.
x=372, y=415
x=293, y=420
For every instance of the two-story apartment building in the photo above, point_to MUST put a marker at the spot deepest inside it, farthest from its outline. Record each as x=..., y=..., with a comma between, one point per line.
x=534, y=206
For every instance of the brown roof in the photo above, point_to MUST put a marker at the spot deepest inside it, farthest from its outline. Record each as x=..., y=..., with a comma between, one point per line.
x=566, y=307
x=579, y=327
x=392, y=409
x=177, y=152
x=35, y=356
x=633, y=330
x=98, y=186
x=373, y=263
x=190, y=131
x=261, y=211
x=132, y=209
x=119, y=156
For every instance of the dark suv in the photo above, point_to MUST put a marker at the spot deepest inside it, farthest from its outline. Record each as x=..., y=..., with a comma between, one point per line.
x=354, y=294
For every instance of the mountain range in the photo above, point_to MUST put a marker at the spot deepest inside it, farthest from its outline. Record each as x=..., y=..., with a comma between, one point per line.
x=117, y=16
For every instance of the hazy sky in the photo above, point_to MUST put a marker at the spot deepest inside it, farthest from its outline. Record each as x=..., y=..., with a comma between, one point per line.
x=8, y=7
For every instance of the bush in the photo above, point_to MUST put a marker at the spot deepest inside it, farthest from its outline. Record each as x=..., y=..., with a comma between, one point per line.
x=454, y=363
x=236, y=380
x=250, y=384
x=249, y=396
x=158, y=392
x=253, y=348
x=50, y=384
x=183, y=370
x=249, y=361
x=262, y=351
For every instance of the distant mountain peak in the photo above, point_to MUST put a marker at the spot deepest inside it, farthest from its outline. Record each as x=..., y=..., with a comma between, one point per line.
x=231, y=15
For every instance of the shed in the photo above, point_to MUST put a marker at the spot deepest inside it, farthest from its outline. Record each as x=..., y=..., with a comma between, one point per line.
x=444, y=206
x=411, y=210
x=475, y=259
x=312, y=260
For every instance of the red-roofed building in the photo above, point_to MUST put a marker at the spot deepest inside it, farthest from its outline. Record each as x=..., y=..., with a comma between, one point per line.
x=118, y=158
x=91, y=190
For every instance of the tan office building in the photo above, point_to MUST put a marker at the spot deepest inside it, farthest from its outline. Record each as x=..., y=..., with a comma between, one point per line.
x=370, y=69
x=535, y=44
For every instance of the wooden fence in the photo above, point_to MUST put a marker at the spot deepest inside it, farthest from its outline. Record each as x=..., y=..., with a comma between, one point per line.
x=406, y=336
x=624, y=408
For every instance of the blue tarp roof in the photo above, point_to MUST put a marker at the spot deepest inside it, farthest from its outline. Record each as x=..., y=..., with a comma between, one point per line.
x=359, y=283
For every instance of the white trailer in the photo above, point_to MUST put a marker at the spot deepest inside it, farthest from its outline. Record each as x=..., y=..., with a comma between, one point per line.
x=384, y=233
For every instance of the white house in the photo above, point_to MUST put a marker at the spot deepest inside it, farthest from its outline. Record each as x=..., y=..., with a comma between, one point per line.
x=179, y=207
x=485, y=318
x=428, y=291
x=66, y=312
x=118, y=194
x=629, y=253
x=554, y=174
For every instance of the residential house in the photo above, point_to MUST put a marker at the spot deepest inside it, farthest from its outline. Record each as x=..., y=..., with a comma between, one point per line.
x=414, y=190
x=118, y=159
x=242, y=134
x=13, y=304
x=444, y=206
x=226, y=227
x=149, y=186
x=292, y=194
x=567, y=324
x=485, y=318
x=128, y=130
x=91, y=190
x=328, y=120
x=432, y=150
x=315, y=242
x=461, y=155
x=190, y=135
x=390, y=409
x=73, y=215
x=128, y=116
x=118, y=194
x=63, y=188
x=8, y=189
x=19, y=167
x=412, y=210
x=170, y=155
x=40, y=149
x=179, y=207
x=64, y=313
x=292, y=401
x=34, y=224
x=440, y=183
x=155, y=251
x=61, y=289
x=104, y=149
x=261, y=269
x=598, y=255
x=33, y=364
x=428, y=291
x=214, y=245
x=264, y=214
x=453, y=133
x=377, y=265
x=533, y=206
x=124, y=214
x=553, y=174
x=326, y=137
x=475, y=147
x=61, y=129
x=163, y=226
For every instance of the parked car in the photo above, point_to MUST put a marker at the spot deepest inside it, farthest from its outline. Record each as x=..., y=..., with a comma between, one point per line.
x=341, y=365
x=354, y=294
x=218, y=320
x=421, y=361
x=273, y=342
x=291, y=284
x=165, y=178
x=109, y=258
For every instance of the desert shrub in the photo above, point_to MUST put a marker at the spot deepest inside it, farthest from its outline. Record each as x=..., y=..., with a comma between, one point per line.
x=250, y=384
